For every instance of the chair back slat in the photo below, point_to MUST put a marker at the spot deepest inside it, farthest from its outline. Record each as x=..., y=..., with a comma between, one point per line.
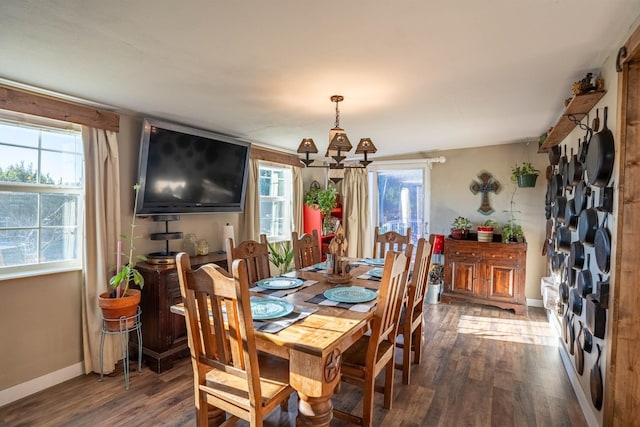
x=390, y=297
x=389, y=241
x=256, y=255
x=225, y=338
x=418, y=284
x=306, y=250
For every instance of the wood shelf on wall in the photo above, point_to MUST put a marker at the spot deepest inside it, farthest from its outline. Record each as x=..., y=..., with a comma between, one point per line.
x=579, y=107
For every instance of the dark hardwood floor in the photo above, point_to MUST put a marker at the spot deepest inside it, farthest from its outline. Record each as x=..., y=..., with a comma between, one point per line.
x=481, y=366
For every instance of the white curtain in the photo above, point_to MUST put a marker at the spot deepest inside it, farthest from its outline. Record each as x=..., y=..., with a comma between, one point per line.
x=250, y=219
x=102, y=228
x=355, y=212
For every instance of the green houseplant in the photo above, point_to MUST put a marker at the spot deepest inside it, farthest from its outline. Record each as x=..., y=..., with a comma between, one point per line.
x=524, y=175
x=121, y=301
x=325, y=200
x=460, y=227
x=281, y=255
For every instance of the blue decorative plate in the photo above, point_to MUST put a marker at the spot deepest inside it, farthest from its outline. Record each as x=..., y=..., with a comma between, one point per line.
x=374, y=261
x=269, y=308
x=376, y=272
x=279, y=283
x=350, y=294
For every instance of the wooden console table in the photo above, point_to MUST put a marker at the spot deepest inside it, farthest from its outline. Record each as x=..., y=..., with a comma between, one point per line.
x=492, y=273
x=164, y=334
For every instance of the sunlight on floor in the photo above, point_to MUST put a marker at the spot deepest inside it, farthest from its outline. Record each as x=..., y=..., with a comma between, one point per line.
x=512, y=330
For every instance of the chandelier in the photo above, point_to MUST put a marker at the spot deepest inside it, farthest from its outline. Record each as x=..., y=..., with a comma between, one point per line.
x=339, y=145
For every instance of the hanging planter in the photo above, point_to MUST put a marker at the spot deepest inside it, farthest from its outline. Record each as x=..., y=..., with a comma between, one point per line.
x=524, y=175
x=527, y=180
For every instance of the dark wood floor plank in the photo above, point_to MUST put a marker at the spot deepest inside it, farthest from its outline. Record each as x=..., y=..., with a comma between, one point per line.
x=481, y=366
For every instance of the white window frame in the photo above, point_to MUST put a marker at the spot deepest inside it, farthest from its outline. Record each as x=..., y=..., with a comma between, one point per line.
x=39, y=268
x=287, y=198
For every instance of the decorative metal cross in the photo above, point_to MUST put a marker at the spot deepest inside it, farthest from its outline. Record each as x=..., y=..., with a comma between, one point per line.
x=487, y=184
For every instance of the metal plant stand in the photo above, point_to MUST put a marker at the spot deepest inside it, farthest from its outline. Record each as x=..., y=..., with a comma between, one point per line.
x=126, y=325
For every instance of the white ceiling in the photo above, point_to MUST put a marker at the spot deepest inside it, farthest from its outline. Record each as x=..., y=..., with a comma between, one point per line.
x=416, y=75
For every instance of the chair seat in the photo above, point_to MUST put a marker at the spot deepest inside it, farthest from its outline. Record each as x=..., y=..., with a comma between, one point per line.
x=353, y=359
x=274, y=380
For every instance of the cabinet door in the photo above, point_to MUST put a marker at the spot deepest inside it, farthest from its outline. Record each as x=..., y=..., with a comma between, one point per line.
x=501, y=279
x=464, y=272
x=176, y=326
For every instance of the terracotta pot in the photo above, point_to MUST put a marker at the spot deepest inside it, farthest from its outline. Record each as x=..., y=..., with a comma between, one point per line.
x=115, y=308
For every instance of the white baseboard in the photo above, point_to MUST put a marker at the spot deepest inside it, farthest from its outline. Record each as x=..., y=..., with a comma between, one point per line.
x=583, y=400
x=35, y=385
x=531, y=302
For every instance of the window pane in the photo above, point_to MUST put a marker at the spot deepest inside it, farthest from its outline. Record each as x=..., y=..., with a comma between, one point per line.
x=61, y=141
x=17, y=135
x=18, y=165
x=61, y=169
x=401, y=201
x=18, y=209
x=18, y=247
x=58, y=244
x=59, y=210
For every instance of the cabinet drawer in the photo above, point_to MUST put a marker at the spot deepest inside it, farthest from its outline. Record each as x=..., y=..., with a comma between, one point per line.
x=502, y=256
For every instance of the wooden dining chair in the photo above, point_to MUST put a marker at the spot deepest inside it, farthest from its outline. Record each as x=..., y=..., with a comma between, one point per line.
x=411, y=325
x=389, y=241
x=367, y=357
x=306, y=249
x=256, y=255
x=229, y=374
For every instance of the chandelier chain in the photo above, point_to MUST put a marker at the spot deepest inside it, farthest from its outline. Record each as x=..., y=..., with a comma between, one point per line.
x=337, y=125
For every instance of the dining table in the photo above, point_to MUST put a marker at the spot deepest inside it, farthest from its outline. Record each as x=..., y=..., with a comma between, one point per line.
x=314, y=344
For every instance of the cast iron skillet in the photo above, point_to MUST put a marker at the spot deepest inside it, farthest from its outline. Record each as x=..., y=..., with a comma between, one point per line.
x=560, y=209
x=574, y=174
x=580, y=194
x=596, y=381
x=579, y=352
x=600, y=155
x=570, y=217
x=554, y=155
x=602, y=246
x=587, y=225
x=584, y=281
x=587, y=340
x=563, y=239
x=575, y=302
x=576, y=256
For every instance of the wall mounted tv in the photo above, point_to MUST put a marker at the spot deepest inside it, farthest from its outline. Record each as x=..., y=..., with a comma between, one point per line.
x=188, y=170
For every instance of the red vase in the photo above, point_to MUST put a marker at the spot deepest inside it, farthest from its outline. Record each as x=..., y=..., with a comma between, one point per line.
x=459, y=234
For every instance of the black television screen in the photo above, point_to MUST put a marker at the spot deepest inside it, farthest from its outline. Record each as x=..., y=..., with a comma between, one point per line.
x=188, y=170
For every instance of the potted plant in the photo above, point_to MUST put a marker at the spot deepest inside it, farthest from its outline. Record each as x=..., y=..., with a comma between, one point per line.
x=512, y=232
x=524, y=175
x=121, y=301
x=485, y=231
x=460, y=228
x=325, y=200
x=281, y=255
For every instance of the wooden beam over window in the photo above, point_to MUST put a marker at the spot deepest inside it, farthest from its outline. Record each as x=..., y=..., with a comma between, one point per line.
x=44, y=106
x=274, y=156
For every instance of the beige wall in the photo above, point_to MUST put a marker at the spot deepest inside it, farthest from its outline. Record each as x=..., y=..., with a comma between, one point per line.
x=40, y=327
x=451, y=197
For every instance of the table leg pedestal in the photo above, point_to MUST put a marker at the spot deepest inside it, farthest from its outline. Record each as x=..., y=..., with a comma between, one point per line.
x=314, y=377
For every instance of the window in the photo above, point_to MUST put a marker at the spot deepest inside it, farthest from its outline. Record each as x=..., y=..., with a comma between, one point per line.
x=41, y=198
x=276, y=202
x=400, y=197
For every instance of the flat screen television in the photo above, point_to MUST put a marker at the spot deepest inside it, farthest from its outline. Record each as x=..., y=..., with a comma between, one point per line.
x=188, y=170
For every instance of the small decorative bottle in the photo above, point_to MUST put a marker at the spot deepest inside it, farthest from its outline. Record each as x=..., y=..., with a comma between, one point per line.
x=189, y=244
x=203, y=247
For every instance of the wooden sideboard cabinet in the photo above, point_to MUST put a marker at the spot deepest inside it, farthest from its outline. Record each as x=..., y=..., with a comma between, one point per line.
x=491, y=273
x=164, y=334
